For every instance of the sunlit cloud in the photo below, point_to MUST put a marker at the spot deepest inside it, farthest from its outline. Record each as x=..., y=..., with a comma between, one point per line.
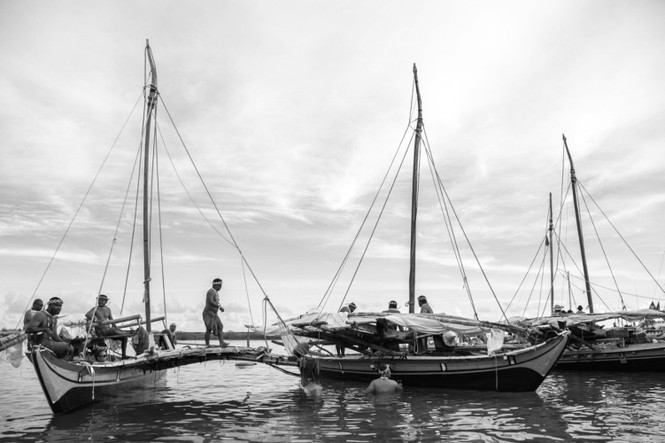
x=292, y=126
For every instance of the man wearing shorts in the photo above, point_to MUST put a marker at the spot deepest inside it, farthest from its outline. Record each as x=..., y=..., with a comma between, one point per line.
x=211, y=319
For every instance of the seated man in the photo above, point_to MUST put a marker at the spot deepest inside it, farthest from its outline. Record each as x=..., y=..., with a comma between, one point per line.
x=43, y=329
x=102, y=313
x=168, y=334
x=37, y=306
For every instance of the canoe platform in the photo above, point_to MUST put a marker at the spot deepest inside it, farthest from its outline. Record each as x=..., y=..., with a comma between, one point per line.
x=69, y=384
x=173, y=358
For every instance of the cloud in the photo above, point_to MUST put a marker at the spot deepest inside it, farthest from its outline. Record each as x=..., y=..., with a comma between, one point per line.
x=292, y=123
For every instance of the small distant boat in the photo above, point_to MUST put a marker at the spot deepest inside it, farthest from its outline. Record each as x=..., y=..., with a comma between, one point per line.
x=69, y=383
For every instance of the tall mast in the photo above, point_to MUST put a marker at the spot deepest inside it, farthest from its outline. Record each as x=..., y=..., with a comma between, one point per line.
x=578, y=219
x=551, y=229
x=151, y=104
x=414, y=197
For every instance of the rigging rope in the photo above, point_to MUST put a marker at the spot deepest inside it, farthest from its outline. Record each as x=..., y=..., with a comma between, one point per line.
x=249, y=304
x=443, y=205
x=62, y=239
x=600, y=243
x=624, y=240
x=113, y=242
x=228, y=230
x=362, y=225
x=191, y=198
x=468, y=242
x=159, y=220
x=326, y=296
x=536, y=255
x=133, y=236
x=371, y=235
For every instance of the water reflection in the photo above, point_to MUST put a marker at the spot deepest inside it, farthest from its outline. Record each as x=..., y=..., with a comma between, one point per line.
x=609, y=406
x=219, y=401
x=343, y=412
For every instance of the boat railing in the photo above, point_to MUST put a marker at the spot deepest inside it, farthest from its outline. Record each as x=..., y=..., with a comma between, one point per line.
x=122, y=322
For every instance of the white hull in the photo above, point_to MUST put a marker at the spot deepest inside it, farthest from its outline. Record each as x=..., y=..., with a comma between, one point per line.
x=68, y=385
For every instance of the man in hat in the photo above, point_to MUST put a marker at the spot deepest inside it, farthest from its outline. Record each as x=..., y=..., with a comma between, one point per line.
x=392, y=308
x=383, y=384
x=102, y=313
x=425, y=308
x=211, y=320
x=384, y=327
x=43, y=328
x=348, y=309
x=558, y=311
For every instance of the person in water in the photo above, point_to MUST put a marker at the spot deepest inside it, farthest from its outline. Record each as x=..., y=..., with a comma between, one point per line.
x=213, y=323
x=43, y=329
x=383, y=384
x=102, y=313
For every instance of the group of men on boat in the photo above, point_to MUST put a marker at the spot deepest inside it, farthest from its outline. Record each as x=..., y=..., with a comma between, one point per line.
x=559, y=311
x=384, y=327
x=41, y=325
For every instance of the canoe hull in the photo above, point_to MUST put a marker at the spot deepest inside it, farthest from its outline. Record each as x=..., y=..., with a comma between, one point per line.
x=516, y=371
x=68, y=385
x=630, y=358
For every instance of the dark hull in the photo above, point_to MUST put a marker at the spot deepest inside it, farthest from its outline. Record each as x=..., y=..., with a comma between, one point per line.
x=631, y=358
x=516, y=371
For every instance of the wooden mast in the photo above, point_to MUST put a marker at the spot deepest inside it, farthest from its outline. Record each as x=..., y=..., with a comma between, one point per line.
x=151, y=103
x=551, y=230
x=578, y=219
x=414, y=196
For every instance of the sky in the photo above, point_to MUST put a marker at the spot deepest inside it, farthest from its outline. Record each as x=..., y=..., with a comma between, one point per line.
x=292, y=112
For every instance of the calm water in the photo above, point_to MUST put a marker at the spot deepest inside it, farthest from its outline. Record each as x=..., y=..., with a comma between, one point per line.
x=221, y=401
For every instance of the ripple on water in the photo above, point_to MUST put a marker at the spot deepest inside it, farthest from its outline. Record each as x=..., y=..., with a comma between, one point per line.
x=220, y=401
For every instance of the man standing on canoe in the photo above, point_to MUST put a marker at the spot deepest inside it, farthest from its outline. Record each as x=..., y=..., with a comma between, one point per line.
x=211, y=320
x=348, y=309
x=439, y=344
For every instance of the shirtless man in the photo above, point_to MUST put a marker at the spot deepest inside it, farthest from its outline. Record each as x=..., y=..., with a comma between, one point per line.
x=37, y=306
x=101, y=313
x=383, y=384
x=213, y=323
x=43, y=328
